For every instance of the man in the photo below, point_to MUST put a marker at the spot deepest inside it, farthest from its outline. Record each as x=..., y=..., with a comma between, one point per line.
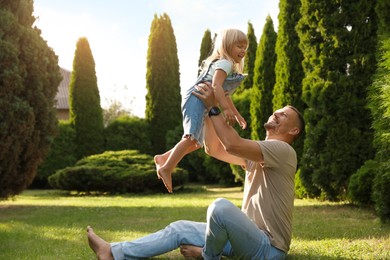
x=262, y=228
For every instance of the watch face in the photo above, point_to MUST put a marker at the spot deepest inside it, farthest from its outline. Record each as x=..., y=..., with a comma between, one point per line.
x=214, y=111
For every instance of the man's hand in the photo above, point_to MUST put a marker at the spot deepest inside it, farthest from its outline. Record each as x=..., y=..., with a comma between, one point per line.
x=206, y=94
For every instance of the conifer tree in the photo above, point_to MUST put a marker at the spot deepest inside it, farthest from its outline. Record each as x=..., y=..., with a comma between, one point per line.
x=86, y=114
x=29, y=77
x=379, y=101
x=205, y=48
x=288, y=68
x=263, y=81
x=338, y=41
x=249, y=62
x=162, y=82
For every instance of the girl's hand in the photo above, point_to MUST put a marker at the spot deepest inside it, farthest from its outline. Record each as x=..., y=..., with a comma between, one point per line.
x=241, y=121
x=229, y=116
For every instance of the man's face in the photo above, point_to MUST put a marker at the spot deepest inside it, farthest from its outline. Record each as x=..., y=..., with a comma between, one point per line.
x=281, y=121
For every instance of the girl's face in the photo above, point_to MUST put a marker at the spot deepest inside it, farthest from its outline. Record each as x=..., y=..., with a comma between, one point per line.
x=238, y=51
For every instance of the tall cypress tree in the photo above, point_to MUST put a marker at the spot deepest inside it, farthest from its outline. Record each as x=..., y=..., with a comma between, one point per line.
x=29, y=77
x=338, y=41
x=162, y=82
x=249, y=62
x=379, y=96
x=205, y=48
x=263, y=81
x=86, y=114
x=288, y=68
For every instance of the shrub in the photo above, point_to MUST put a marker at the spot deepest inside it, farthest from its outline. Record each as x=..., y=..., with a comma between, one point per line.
x=125, y=171
x=360, y=183
x=382, y=192
x=128, y=133
x=61, y=155
x=300, y=190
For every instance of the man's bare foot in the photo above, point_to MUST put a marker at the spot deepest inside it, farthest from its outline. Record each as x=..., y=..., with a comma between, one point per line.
x=163, y=174
x=191, y=251
x=101, y=248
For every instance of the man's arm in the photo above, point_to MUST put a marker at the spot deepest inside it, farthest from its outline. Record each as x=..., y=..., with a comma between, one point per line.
x=232, y=143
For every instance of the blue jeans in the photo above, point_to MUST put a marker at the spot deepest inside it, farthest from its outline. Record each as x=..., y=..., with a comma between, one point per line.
x=229, y=232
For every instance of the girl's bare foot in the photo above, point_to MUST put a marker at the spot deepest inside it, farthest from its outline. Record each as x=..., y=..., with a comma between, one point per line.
x=163, y=174
x=166, y=178
x=101, y=248
x=191, y=251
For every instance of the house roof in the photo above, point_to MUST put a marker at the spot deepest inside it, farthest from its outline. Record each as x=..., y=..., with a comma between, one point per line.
x=62, y=96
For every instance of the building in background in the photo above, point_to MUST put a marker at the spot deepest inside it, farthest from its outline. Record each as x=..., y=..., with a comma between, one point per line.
x=62, y=96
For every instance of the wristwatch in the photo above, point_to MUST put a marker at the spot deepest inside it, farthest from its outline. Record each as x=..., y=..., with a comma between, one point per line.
x=214, y=111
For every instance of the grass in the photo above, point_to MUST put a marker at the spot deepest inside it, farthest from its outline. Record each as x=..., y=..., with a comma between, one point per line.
x=51, y=224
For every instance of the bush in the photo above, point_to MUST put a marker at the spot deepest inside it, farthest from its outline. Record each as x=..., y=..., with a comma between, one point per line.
x=125, y=171
x=61, y=155
x=300, y=190
x=360, y=183
x=382, y=192
x=128, y=133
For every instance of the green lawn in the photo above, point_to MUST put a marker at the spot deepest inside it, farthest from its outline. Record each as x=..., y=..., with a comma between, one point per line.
x=51, y=224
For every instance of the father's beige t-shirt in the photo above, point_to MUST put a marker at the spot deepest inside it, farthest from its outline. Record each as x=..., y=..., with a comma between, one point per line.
x=269, y=192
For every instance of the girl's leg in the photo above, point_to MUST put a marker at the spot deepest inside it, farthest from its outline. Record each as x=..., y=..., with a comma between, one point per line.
x=167, y=162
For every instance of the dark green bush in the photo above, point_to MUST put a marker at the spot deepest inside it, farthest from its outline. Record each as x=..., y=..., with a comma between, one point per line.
x=128, y=133
x=126, y=171
x=382, y=192
x=61, y=155
x=360, y=183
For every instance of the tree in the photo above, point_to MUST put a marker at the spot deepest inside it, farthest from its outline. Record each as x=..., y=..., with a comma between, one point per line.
x=288, y=68
x=249, y=62
x=338, y=40
x=162, y=82
x=29, y=77
x=379, y=101
x=205, y=48
x=264, y=80
x=85, y=112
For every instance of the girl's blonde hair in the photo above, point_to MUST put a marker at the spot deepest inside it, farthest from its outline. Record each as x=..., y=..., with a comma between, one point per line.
x=223, y=46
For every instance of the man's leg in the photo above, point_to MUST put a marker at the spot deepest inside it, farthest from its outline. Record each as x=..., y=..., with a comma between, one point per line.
x=226, y=222
x=163, y=241
x=101, y=248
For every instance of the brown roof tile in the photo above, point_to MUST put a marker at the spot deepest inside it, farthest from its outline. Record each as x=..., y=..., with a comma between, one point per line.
x=62, y=96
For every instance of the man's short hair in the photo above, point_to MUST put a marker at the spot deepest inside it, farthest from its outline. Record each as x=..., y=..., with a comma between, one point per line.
x=301, y=121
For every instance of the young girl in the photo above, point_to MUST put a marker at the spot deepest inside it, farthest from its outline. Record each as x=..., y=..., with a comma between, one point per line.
x=222, y=68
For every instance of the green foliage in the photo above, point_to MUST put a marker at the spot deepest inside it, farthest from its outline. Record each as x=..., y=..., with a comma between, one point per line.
x=379, y=103
x=263, y=81
x=288, y=68
x=114, y=111
x=29, y=76
x=249, y=62
x=338, y=41
x=300, y=190
x=62, y=154
x=85, y=112
x=128, y=133
x=382, y=192
x=361, y=182
x=125, y=171
x=205, y=48
x=163, y=98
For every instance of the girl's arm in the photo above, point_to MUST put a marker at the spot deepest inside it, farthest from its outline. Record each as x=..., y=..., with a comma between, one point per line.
x=218, y=79
x=241, y=121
